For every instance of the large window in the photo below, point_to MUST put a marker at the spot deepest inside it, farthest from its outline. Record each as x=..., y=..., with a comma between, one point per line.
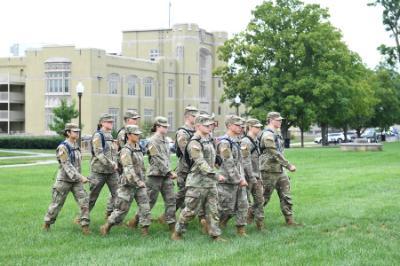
x=148, y=87
x=179, y=52
x=132, y=81
x=205, y=74
x=148, y=115
x=154, y=53
x=113, y=83
x=171, y=88
x=49, y=117
x=114, y=112
x=58, y=75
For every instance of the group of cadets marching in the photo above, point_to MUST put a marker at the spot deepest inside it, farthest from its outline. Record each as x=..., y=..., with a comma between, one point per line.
x=233, y=175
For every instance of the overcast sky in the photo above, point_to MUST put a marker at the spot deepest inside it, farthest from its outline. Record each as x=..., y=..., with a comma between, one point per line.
x=98, y=24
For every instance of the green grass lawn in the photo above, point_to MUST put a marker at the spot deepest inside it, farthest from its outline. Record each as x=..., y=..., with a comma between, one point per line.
x=7, y=154
x=348, y=202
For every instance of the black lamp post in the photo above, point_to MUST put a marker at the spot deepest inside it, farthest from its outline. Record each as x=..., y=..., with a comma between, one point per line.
x=79, y=90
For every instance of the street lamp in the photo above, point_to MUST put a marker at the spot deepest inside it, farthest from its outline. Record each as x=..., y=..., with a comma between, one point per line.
x=80, y=89
x=237, y=103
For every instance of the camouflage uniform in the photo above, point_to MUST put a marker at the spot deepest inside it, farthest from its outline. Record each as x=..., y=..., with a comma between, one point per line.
x=201, y=184
x=159, y=176
x=232, y=197
x=183, y=135
x=131, y=184
x=68, y=180
x=272, y=162
x=250, y=154
x=121, y=134
x=102, y=167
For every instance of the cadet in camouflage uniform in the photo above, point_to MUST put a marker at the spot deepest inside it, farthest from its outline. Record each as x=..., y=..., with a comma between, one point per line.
x=69, y=179
x=183, y=135
x=160, y=175
x=201, y=183
x=131, y=185
x=251, y=154
x=103, y=163
x=272, y=162
x=232, y=192
x=130, y=118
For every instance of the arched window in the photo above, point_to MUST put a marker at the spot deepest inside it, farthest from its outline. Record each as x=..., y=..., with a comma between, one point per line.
x=113, y=82
x=132, y=83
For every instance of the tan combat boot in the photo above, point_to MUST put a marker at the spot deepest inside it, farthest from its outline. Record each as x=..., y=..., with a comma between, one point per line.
x=145, y=231
x=171, y=227
x=133, y=223
x=250, y=216
x=85, y=230
x=105, y=229
x=176, y=236
x=161, y=219
x=219, y=239
x=260, y=225
x=106, y=215
x=46, y=227
x=241, y=231
x=290, y=221
x=77, y=220
x=204, y=226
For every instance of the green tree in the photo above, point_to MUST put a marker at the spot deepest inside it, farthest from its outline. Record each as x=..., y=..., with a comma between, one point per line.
x=289, y=59
x=63, y=115
x=391, y=21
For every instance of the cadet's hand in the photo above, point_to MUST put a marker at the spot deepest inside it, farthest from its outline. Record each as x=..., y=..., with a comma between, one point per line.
x=141, y=184
x=221, y=178
x=243, y=183
x=115, y=166
x=292, y=168
x=172, y=175
x=84, y=179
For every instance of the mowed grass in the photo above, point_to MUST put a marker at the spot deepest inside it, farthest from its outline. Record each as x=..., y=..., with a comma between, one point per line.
x=348, y=203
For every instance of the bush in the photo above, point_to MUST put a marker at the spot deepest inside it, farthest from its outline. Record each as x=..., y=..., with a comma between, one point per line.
x=29, y=142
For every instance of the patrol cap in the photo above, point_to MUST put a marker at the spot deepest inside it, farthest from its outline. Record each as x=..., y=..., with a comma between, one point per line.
x=191, y=110
x=106, y=118
x=71, y=127
x=204, y=120
x=274, y=115
x=131, y=114
x=133, y=129
x=233, y=120
x=252, y=122
x=161, y=121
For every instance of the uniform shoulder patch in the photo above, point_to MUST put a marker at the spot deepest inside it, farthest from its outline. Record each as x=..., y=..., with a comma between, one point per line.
x=152, y=150
x=225, y=149
x=245, y=149
x=62, y=153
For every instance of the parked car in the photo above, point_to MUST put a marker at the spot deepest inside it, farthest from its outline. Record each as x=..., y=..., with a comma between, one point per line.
x=370, y=134
x=332, y=138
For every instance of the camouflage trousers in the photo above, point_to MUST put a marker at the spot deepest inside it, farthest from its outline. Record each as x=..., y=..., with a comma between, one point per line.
x=95, y=188
x=280, y=182
x=255, y=191
x=200, y=199
x=60, y=193
x=180, y=194
x=125, y=197
x=233, y=201
x=157, y=184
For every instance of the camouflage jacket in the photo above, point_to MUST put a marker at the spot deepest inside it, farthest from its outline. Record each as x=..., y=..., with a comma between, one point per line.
x=159, y=156
x=231, y=168
x=70, y=165
x=250, y=155
x=182, y=138
x=272, y=159
x=103, y=160
x=121, y=138
x=131, y=160
x=202, y=172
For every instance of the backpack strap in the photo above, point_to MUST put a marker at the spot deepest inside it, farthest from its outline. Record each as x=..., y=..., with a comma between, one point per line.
x=71, y=150
x=255, y=146
x=103, y=140
x=179, y=153
x=188, y=160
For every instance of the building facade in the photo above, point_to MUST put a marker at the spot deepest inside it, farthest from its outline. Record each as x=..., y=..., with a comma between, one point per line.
x=159, y=72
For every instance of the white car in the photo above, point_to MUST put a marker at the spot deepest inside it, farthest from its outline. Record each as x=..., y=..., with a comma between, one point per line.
x=332, y=138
